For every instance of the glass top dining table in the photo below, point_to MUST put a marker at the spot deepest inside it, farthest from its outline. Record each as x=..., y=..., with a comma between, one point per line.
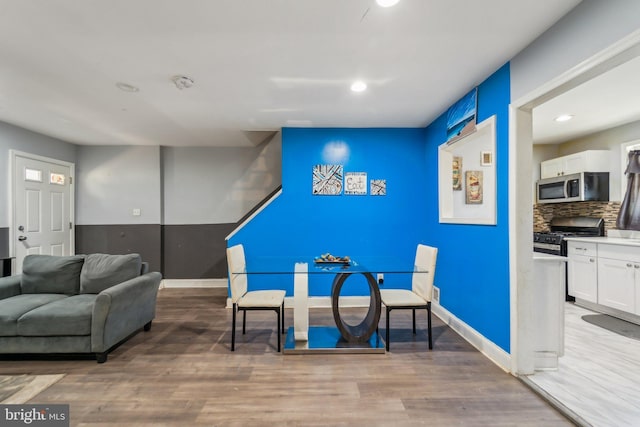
x=283, y=265
x=362, y=337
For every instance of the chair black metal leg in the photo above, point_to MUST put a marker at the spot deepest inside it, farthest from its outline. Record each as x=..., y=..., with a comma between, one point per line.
x=278, y=311
x=387, y=340
x=414, y=321
x=429, y=325
x=244, y=322
x=233, y=329
x=283, y=330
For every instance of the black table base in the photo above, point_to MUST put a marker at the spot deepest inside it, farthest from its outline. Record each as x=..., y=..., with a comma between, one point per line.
x=362, y=332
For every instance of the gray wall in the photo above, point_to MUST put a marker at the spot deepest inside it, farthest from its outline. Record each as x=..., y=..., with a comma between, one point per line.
x=204, y=185
x=114, y=180
x=206, y=192
x=15, y=138
x=588, y=29
x=190, y=199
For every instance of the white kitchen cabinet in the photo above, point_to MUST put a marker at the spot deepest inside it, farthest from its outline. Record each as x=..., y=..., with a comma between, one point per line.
x=619, y=277
x=583, y=270
x=584, y=161
x=616, y=284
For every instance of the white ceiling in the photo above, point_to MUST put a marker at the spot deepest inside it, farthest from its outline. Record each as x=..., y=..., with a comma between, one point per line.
x=258, y=65
x=609, y=100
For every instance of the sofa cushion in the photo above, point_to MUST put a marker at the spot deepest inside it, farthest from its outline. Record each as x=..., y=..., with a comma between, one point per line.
x=69, y=316
x=11, y=309
x=51, y=274
x=101, y=271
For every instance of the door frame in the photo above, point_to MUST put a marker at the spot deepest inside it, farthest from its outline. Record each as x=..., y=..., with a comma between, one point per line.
x=521, y=291
x=12, y=202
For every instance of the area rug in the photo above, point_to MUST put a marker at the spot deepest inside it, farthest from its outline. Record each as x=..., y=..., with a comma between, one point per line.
x=621, y=327
x=18, y=389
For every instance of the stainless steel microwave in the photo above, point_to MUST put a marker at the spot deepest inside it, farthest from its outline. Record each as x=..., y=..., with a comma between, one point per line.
x=577, y=187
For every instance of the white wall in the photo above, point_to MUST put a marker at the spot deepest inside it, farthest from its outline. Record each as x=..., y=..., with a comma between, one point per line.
x=113, y=180
x=15, y=138
x=609, y=139
x=588, y=29
x=541, y=153
x=205, y=185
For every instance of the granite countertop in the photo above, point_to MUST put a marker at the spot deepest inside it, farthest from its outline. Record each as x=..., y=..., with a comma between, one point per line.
x=608, y=240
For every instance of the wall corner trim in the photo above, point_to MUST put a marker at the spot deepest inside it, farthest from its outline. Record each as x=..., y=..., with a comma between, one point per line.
x=473, y=337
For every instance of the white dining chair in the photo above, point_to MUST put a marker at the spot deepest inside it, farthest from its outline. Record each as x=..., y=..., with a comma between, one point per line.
x=419, y=296
x=244, y=300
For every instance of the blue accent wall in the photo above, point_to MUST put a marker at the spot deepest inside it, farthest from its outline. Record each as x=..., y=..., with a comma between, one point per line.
x=304, y=225
x=473, y=260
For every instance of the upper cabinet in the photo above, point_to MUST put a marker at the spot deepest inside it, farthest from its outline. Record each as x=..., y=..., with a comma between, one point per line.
x=584, y=161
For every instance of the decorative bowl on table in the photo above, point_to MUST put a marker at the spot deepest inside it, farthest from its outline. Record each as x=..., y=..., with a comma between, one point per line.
x=331, y=259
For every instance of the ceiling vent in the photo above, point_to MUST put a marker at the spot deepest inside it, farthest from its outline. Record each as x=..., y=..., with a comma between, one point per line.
x=182, y=82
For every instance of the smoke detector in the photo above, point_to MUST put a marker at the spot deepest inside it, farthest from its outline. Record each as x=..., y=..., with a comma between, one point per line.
x=182, y=82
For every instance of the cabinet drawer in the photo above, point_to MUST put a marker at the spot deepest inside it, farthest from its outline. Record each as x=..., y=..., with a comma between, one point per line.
x=621, y=252
x=582, y=248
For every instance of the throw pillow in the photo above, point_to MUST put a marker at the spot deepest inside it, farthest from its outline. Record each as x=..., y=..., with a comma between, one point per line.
x=101, y=271
x=48, y=274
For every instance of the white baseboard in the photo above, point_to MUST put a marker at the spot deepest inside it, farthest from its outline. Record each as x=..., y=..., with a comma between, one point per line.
x=484, y=346
x=194, y=283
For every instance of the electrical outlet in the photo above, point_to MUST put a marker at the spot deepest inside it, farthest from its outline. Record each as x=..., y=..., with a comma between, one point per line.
x=380, y=278
x=436, y=294
x=136, y=212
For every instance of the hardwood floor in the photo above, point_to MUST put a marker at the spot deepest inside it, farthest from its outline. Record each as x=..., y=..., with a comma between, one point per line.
x=182, y=373
x=598, y=378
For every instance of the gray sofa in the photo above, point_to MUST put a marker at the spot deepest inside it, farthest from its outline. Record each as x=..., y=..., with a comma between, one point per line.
x=76, y=304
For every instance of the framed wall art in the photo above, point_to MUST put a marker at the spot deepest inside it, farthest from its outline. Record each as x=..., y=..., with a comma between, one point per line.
x=486, y=158
x=378, y=187
x=327, y=180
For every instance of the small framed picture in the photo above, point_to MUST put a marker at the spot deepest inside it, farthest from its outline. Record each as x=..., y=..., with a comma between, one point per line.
x=486, y=158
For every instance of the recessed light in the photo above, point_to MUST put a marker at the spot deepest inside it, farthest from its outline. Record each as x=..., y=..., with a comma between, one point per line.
x=563, y=118
x=126, y=87
x=387, y=3
x=358, y=86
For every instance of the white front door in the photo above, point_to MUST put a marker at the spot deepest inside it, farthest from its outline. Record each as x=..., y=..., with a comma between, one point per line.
x=42, y=207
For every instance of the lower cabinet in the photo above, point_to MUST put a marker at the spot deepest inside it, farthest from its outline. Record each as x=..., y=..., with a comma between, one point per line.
x=582, y=270
x=605, y=274
x=617, y=284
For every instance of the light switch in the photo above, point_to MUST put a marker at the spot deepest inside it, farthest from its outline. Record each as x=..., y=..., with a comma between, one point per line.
x=136, y=212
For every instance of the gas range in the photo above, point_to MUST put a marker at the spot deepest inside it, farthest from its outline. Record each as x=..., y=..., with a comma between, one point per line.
x=553, y=242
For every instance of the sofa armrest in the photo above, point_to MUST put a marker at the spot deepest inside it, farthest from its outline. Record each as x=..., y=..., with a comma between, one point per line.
x=122, y=309
x=10, y=286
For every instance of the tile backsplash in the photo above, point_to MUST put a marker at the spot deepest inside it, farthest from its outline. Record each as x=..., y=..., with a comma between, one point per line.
x=542, y=213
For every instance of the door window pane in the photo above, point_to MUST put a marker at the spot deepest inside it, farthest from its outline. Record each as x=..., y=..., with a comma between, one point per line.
x=56, y=178
x=32, y=175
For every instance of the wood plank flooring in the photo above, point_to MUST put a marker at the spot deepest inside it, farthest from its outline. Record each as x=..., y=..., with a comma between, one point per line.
x=182, y=373
x=599, y=376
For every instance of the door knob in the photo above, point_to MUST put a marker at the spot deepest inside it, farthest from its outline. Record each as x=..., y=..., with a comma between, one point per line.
x=22, y=238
